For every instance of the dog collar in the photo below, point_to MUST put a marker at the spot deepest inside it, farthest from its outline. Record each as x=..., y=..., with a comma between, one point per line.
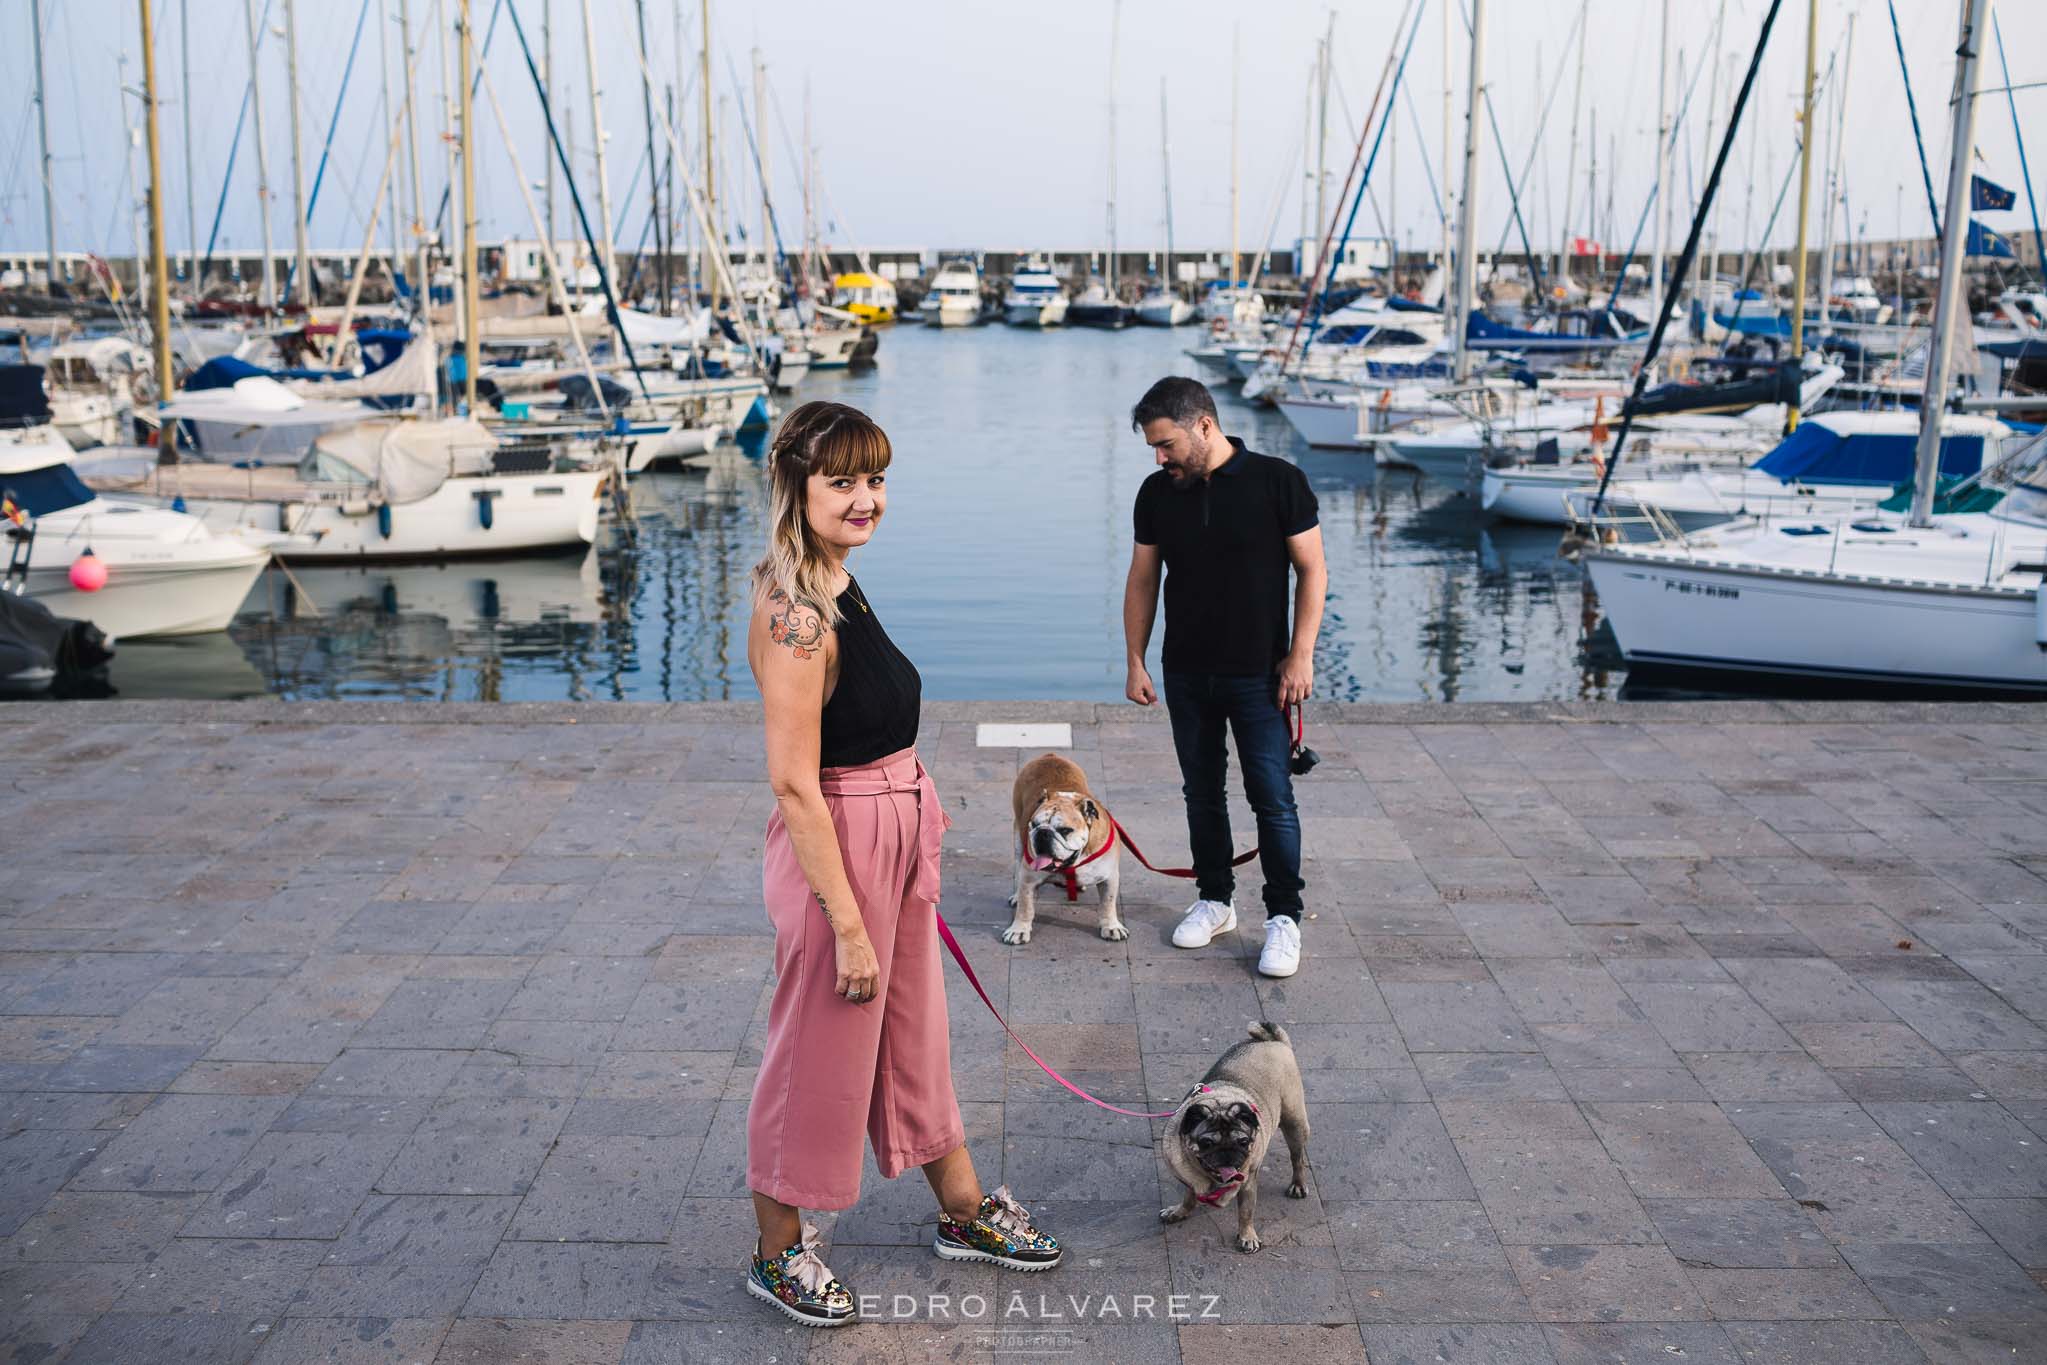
x=1221, y=1192
x=1070, y=871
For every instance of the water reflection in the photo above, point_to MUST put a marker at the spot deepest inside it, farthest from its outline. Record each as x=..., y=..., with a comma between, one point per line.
x=999, y=568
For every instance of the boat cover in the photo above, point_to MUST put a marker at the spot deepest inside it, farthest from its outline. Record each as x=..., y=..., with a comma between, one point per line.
x=23, y=403
x=1817, y=453
x=406, y=460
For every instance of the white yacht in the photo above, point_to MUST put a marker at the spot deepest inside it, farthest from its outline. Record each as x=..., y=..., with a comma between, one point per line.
x=954, y=299
x=1232, y=304
x=1961, y=602
x=1163, y=306
x=166, y=573
x=92, y=388
x=395, y=488
x=1036, y=297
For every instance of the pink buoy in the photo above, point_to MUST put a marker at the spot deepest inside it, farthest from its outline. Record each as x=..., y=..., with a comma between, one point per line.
x=88, y=572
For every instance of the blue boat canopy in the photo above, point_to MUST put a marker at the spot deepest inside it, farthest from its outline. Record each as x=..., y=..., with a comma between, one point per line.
x=1819, y=454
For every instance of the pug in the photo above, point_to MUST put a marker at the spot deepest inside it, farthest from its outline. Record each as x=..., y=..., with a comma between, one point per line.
x=1064, y=838
x=1217, y=1138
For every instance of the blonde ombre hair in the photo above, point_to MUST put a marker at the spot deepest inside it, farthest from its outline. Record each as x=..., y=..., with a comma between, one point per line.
x=836, y=441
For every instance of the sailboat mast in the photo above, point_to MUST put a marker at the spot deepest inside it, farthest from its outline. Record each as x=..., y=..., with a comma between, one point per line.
x=1236, y=83
x=191, y=199
x=411, y=113
x=760, y=139
x=267, y=295
x=35, y=19
x=1710, y=270
x=1663, y=196
x=1445, y=177
x=1837, y=135
x=1467, y=200
x=604, y=243
x=714, y=240
x=647, y=109
x=302, y=288
x=1805, y=151
x=1953, y=243
x=384, y=72
x=159, y=271
x=547, y=94
x=1322, y=127
x=471, y=304
x=1166, y=175
x=1562, y=272
x=1115, y=42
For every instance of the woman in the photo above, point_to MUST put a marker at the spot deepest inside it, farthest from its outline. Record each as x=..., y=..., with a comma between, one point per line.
x=857, y=1029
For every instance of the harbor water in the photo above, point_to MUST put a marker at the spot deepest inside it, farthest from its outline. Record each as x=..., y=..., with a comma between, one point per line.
x=999, y=564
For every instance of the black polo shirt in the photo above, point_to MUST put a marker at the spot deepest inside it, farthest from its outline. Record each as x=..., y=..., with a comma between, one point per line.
x=1223, y=541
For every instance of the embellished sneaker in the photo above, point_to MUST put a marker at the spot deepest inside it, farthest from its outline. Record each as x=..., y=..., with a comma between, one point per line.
x=1000, y=1232
x=800, y=1284
x=1282, y=952
x=1203, y=921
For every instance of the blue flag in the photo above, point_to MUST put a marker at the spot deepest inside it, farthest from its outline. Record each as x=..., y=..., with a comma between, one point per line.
x=1985, y=194
x=1984, y=242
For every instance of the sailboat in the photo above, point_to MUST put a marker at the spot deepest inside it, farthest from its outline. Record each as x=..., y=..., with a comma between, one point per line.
x=1952, y=592
x=1162, y=304
x=1100, y=304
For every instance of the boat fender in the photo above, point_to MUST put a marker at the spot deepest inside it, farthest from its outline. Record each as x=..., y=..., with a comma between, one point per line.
x=483, y=498
x=2040, y=614
x=178, y=503
x=384, y=520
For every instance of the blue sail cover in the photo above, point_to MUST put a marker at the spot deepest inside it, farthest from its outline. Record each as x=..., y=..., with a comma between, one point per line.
x=1483, y=334
x=1816, y=453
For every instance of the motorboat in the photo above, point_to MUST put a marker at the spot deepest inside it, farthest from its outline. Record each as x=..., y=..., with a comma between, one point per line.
x=866, y=296
x=1036, y=297
x=954, y=299
x=1232, y=303
x=165, y=572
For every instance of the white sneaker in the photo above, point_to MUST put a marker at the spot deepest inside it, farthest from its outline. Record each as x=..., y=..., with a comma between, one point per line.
x=1203, y=921
x=1282, y=954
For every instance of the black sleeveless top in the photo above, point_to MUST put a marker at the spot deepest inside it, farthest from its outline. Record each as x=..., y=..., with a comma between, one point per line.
x=872, y=713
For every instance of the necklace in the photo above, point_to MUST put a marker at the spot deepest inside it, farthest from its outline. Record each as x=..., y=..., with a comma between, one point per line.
x=854, y=588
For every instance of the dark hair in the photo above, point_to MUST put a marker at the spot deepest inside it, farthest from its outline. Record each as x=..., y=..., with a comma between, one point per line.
x=1178, y=400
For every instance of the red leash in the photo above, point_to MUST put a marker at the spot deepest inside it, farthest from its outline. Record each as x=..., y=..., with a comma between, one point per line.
x=1116, y=831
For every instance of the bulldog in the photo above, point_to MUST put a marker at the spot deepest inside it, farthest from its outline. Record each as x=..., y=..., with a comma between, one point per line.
x=1064, y=839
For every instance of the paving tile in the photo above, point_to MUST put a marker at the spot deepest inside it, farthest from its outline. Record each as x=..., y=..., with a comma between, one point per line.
x=2017, y=1225
x=1680, y=1151
x=216, y=1275
x=476, y=1146
x=504, y=1341
x=1708, y=1017
x=1784, y=1294
x=1860, y=1186
x=1602, y=1343
x=1605, y=1283
x=314, y=1341
x=606, y=1189
x=1923, y=1281
x=34, y=1164
x=421, y=1229
x=1824, y=1343
x=1974, y=1150
x=1457, y=1343
x=564, y=1281
x=103, y=1226
x=295, y=1185
x=1545, y=1190
x=182, y=1142
x=197, y=1337
x=1386, y=1151
x=1739, y=1234
x=1469, y=1016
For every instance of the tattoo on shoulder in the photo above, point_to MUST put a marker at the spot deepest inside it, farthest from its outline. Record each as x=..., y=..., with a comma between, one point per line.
x=796, y=624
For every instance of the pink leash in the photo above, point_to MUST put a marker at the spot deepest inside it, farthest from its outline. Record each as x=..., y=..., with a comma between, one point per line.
x=952, y=946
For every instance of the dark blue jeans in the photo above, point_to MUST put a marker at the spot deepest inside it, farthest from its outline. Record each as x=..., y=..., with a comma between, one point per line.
x=1202, y=705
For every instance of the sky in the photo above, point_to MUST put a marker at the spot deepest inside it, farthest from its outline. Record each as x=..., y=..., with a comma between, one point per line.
x=970, y=124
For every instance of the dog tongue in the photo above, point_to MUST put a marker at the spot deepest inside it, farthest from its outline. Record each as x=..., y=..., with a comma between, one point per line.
x=1227, y=1174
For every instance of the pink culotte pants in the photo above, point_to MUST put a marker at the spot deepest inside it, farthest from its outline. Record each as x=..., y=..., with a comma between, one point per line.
x=833, y=1069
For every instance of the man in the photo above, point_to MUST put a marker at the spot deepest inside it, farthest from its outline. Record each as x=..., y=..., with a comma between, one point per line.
x=1225, y=523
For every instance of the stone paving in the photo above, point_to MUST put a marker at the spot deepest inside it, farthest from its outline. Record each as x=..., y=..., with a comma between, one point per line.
x=365, y=1033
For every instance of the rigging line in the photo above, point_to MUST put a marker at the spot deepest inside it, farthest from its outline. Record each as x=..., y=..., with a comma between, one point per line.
x=767, y=198
x=1912, y=107
x=611, y=308
x=489, y=31
x=1435, y=197
x=234, y=147
x=2039, y=243
x=1688, y=256
x=1541, y=124
x=1777, y=205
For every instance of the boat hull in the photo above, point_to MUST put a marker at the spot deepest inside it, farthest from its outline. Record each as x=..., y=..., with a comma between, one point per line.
x=141, y=601
x=1745, y=621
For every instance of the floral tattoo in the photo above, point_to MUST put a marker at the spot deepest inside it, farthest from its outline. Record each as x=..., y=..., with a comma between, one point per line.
x=796, y=625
